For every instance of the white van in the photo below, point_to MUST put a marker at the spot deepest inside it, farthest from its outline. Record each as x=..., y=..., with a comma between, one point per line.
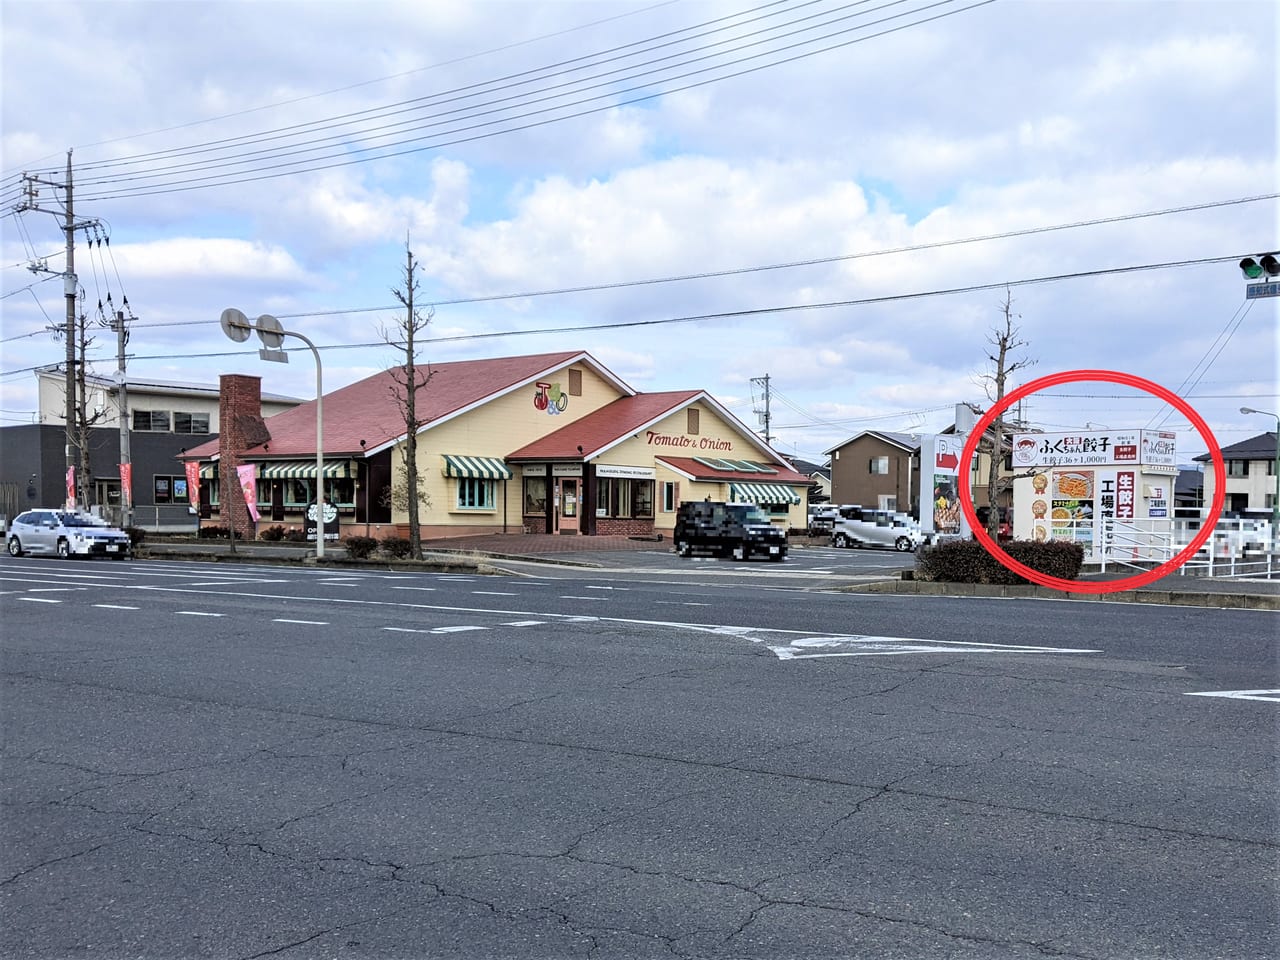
x=865, y=527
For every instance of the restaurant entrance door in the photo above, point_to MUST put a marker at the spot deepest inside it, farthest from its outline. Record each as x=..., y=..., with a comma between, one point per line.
x=567, y=503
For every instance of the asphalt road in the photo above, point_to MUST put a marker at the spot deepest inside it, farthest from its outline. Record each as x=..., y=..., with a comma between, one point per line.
x=216, y=760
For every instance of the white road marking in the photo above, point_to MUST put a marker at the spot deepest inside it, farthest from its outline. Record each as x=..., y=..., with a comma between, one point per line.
x=681, y=603
x=600, y=599
x=197, y=613
x=805, y=648
x=113, y=606
x=591, y=587
x=428, y=589
x=51, y=589
x=492, y=593
x=1270, y=696
x=523, y=623
x=309, y=623
x=233, y=583
x=434, y=629
x=752, y=633
x=39, y=600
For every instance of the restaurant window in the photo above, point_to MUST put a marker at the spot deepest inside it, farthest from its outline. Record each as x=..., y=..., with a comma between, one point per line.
x=693, y=421
x=670, y=496
x=575, y=382
x=625, y=499
x=169, y=489
x=475, y=493
x=151, y=421
x=535, y=496
x=190, y=423
x=880, y=465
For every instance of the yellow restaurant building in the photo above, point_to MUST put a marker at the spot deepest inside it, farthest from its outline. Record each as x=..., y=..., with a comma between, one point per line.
x=547, y=443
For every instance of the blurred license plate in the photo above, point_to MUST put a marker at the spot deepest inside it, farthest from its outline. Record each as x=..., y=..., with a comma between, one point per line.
x=773, y=549
x=112, y=548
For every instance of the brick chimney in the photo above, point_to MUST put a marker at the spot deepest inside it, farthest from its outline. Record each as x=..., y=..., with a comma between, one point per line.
x=240, y=427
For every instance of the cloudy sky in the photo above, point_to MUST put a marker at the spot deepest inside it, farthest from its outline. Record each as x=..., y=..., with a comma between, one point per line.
x=832, y=194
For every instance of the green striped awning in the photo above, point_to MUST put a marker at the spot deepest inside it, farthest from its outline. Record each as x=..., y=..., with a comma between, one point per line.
x=762, y=493
x=482, y=468
x=305, y=469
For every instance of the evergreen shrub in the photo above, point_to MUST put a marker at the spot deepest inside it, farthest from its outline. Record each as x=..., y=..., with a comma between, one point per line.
x=967, y=561
x=360, y=548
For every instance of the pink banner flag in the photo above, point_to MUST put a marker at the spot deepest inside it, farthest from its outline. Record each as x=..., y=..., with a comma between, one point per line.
x=126, y=484
x=193, y=482
x=71, y=488
x=249, y=485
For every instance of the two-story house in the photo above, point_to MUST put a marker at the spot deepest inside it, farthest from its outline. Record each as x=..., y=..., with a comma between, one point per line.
x=1251, y=477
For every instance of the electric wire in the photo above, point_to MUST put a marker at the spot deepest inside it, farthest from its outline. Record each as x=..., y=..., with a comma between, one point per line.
x=695, y=318
x=108, y=188
x=365, y=83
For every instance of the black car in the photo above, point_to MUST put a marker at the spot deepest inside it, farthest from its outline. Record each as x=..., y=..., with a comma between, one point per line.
x=740, y=530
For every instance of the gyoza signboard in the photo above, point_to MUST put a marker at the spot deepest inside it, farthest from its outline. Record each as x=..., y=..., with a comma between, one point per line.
x=1084, y=449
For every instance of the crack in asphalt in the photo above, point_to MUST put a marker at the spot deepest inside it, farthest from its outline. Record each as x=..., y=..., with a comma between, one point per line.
x=650, y=756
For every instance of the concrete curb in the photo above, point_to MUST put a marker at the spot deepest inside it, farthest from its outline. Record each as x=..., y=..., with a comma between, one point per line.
x=441, y=563
x=1237, y=601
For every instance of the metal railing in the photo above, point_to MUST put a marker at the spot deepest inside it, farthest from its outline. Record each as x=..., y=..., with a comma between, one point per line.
x=1236, y=548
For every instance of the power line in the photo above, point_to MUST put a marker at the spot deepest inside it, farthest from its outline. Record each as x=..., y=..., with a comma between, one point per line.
x=818, y=261
x=722, y=315
x=644, y=92
x=365, y=83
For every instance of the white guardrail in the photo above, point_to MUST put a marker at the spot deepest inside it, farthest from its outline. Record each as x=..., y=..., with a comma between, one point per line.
x=1236, y=548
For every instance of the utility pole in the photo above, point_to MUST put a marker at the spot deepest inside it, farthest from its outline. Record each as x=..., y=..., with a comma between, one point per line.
x=70, y=287
x=765, y=417
x=122, y=412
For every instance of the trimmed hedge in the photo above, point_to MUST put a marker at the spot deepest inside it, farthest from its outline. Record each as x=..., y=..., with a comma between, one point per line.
x=360, y=548
x=967, y=561
x=397, y=548
x=272, y=533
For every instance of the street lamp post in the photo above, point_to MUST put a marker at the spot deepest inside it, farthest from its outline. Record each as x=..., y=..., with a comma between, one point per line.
x=1275, y=497
x=236, y=326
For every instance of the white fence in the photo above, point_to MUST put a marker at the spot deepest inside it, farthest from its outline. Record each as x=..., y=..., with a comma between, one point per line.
x=1236, y=548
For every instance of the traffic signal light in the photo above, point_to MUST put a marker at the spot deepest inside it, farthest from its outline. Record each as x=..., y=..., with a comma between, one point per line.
x=1253, y=268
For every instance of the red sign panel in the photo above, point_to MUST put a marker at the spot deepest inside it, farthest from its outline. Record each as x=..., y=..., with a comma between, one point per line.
x=1124, y=495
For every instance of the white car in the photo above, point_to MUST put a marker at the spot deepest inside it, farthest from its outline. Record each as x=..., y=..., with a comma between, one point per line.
x=67, y=533
x=863, y=527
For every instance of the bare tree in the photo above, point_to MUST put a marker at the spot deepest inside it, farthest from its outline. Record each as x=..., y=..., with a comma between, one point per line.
x=86, y=418
x=407, y=379
x=1006, y=340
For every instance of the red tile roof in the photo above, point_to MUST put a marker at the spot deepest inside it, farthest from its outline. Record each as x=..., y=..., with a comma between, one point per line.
x=597, y=431
x=366, y=410
x=700, y=471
